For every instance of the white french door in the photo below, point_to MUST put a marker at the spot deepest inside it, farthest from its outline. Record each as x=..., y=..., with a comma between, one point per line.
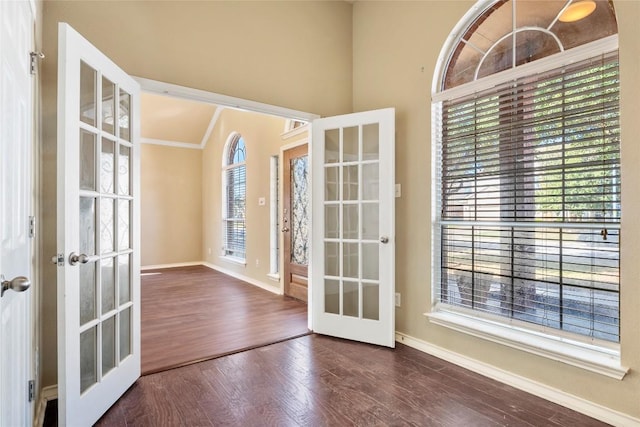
x=16, y=143
x=98, y=231
x=353, y=237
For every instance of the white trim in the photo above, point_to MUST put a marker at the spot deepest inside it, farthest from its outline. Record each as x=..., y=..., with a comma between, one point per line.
x=244, y=278
x=162, y=88
x=560, y=397
x=296, y=131
x=291, y=145
x=46, y=394
x=172, y=265
x=233, y=259
x=175, y=144
x=592, y=358
x=274, y=277
x=212, y=125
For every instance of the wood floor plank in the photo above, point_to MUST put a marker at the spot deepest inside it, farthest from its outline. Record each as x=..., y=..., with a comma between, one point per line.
x=195, y=313
x=321, y=381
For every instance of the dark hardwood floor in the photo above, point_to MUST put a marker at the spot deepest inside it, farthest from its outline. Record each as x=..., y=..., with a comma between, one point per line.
x=321, y=381
x=195, y=313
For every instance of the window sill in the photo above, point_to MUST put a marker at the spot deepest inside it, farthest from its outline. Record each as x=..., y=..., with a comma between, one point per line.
x=592, y=358
x=234, y=260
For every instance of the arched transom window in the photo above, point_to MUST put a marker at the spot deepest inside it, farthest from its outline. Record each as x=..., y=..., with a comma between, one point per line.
x=527, y=158
x=234, y=178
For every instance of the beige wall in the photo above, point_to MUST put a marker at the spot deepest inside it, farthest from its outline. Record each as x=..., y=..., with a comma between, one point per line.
x=396, y=46
x=262, y=138
x=171, y=209
x=292, y=54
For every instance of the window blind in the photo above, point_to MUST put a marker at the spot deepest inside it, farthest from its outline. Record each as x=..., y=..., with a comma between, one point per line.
x=529, y=199
x=234, y=221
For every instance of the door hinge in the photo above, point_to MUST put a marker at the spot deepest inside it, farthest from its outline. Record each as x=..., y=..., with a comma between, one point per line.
x=32, y=390
x=32, y=226
x=34, y=61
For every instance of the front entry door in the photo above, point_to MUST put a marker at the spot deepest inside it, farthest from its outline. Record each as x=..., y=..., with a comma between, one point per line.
x=295, y=221
x=353, y=242
x=98, y=231
x=16, y=122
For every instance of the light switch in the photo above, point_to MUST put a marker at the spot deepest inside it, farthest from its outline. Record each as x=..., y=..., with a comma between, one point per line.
x=398, y=190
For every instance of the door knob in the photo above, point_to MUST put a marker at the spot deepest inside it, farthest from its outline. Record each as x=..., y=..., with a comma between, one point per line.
x=18, y=284
x=384, y=239
x=74, y=258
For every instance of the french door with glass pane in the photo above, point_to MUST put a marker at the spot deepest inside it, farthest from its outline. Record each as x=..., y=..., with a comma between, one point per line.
x=98, y=234
x=353, y=242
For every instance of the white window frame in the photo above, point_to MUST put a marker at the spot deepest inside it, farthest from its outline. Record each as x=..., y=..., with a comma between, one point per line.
x=601, y=358
x=226, y=166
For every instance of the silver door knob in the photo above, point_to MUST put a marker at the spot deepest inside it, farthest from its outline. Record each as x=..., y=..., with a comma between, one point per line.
x=18, y=284
x=384, y=239
x=74, y=258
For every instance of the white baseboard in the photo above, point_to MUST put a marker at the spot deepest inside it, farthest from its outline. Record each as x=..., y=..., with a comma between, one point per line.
x=560, y=397
x=178, y=264
x=247, y=279
x=46, y=394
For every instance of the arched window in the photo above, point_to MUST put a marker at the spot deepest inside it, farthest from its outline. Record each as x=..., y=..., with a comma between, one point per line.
x=234, y=178
x=527, y=158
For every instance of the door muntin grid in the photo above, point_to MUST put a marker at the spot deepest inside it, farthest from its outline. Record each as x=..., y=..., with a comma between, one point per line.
x=106, y=210
x=351, y=219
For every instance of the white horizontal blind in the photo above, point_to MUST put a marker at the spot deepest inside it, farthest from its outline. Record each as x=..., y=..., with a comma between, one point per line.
x=529, y=199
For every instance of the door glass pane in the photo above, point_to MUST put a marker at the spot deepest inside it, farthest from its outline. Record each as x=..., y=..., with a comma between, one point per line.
x=332, y=296
x=350, y=144
x=125, y=333
x=124, y=115
x=331, y=188
x=124, y=276
x=332, y=146
x=124, y=219
x=350, y=257
x=88, y=359
x=124, y=166
x=371, y=301
x=87, y=94
x=370, y=261
x=370, y=183
x=87, y=292
x=350, y=299
x=107, y=225
x=370, y=142
x=350, y=221
x=108, y=105
x=87, y=242
x=107, y=163
x=87, y=160
x=370, y=221
x=108, y=345
x=331, y=260
x=350, y=182
x=300, y=205
x=108, y=285
x=331, y=221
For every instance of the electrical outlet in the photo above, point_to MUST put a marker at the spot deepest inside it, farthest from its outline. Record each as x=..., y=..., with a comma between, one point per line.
x=398, y=299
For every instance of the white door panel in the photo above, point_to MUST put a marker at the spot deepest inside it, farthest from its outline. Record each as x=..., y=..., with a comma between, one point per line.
x=98, y=231
x=16, y=121
x=353, y=243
